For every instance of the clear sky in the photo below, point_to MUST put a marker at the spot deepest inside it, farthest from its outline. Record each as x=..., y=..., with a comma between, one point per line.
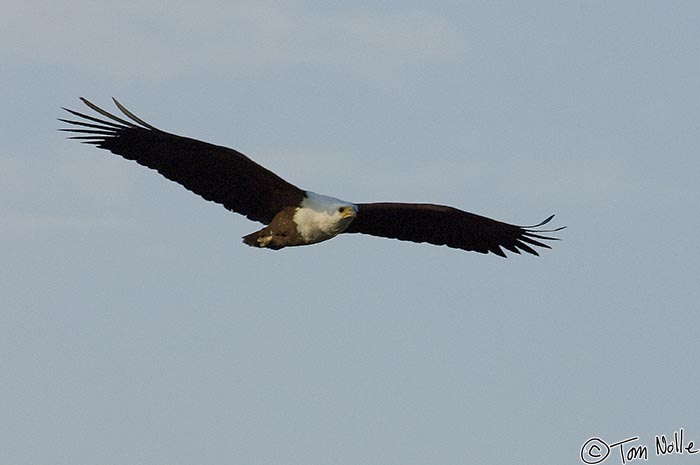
x=136, y=328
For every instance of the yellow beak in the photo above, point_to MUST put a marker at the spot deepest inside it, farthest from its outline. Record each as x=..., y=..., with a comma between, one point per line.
x=348, y=213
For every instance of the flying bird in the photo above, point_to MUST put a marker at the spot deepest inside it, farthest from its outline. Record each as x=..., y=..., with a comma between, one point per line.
x=292, y=216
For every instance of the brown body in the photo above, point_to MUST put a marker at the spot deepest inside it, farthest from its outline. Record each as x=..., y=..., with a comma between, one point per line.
x=281, y=232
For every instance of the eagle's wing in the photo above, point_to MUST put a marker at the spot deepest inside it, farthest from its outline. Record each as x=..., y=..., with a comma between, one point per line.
x=442, y=225
x=219, y=174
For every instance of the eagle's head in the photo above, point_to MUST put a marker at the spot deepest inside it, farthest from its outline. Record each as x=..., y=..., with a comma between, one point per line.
x=320, y=217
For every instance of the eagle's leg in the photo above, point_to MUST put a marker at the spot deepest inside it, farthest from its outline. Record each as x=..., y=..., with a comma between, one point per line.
x=263, y=238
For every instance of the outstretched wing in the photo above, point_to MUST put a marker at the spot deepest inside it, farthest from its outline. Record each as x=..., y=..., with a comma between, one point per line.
x=216, y=173
x=442, y=225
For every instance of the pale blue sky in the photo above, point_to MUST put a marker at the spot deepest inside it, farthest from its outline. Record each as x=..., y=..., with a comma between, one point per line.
x=137, y=329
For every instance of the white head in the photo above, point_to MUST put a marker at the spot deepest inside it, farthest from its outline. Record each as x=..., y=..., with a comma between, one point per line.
x=321, y=217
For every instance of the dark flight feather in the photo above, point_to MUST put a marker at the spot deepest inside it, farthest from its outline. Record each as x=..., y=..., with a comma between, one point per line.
x=216, y=173
x=443, y=225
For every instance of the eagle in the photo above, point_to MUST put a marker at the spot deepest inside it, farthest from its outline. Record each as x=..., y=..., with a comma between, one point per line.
x=292, y=216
